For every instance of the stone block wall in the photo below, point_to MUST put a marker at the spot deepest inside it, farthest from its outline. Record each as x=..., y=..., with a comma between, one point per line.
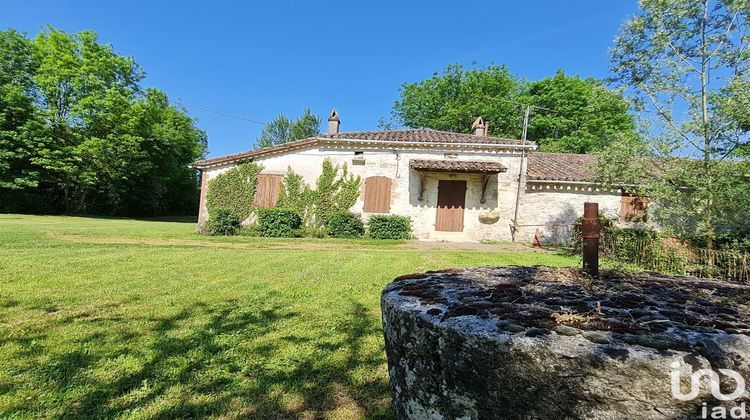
x=491, y=220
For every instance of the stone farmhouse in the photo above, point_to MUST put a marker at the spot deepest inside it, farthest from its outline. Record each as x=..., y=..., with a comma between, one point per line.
x=453, y=186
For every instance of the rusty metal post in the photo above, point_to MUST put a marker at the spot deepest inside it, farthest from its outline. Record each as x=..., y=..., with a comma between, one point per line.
x=590, y=232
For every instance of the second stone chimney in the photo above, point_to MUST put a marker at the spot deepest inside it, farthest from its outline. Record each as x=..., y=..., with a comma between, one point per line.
x=479, y=128
x=333, y=123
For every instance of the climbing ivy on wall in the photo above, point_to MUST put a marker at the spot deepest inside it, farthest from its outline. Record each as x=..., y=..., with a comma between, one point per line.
x=233, y=190
x=295, y=194
x=335, y=190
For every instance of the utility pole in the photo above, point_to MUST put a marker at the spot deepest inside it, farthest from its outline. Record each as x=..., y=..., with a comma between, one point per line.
x=520, y=171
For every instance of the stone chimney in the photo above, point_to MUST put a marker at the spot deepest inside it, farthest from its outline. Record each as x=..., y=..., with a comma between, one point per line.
x=479, y=128
x=486, y=128
x=333, y=123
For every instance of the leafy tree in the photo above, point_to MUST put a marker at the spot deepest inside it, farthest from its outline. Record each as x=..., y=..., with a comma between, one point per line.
x=386, y=124
x=575, y=115
x=278, y=131
x=78, y=132
x=571, y=115
x=21, y=128
x=686, y=62
x=451, y=101
x=307, y=125
x=283, y=130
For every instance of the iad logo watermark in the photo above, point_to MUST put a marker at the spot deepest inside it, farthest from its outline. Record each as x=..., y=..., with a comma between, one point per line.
x=718, y=412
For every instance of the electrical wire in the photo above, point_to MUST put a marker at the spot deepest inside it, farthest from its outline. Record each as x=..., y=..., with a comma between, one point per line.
x=179, y=102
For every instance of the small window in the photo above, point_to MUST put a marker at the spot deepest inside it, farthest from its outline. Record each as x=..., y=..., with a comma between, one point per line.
x=359, y=153
x=377, y=194
x=267, y=190
x=359, y=158
x=634, y=208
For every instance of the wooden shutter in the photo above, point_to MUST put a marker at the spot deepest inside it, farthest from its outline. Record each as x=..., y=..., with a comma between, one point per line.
x=377, y=194
x=267, y=190
x=633, y=208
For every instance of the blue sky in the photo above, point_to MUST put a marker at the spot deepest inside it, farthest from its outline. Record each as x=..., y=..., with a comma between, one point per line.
x=257, y=59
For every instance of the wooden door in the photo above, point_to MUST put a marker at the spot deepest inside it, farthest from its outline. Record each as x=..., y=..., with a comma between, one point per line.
x=450, y=206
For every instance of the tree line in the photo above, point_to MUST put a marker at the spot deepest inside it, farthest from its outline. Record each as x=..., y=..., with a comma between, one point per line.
x=80, y=133
x=571, y=114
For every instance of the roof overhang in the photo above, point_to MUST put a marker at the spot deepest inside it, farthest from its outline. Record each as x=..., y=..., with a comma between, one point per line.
x=356, y=143
x=461, y=166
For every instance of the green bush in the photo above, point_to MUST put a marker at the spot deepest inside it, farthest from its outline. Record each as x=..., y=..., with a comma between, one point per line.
x=279, y=222
x=345, y=225
x=389, y=227
x=222, y=222
x=733, y=241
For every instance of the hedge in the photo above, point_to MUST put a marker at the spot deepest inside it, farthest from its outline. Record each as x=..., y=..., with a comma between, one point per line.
x=345, y=225
x=279, y=222
x=222, y=222
x=389, y=227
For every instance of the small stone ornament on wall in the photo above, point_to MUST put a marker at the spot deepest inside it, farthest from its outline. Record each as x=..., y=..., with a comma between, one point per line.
x=489, y=217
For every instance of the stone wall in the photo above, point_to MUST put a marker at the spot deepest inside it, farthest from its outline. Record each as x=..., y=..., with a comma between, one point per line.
x=490, y=220
x=543, y=206
x=394, y=164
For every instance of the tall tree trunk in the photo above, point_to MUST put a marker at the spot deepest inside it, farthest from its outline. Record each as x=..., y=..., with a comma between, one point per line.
x=706, y=132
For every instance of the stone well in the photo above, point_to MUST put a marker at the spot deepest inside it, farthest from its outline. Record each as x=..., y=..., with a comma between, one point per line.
x=530, y=342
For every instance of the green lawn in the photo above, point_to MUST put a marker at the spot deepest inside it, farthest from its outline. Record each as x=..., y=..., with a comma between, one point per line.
x=141, y=319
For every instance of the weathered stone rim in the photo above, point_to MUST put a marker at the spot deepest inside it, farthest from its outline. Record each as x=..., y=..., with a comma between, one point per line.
x=647, y=310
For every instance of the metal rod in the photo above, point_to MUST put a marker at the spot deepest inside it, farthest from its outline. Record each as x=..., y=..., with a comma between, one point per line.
x=520, y=172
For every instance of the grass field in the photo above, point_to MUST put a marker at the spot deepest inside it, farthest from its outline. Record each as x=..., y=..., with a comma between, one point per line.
x=146, y=319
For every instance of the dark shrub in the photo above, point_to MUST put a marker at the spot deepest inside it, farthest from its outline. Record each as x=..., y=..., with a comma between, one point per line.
x=222, y=222
x=734, y=241
x=345, y=225
x=279, y=222
x=389, y=227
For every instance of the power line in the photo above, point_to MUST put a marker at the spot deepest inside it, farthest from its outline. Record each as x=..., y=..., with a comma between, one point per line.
x=495, y=98
x=219, y=112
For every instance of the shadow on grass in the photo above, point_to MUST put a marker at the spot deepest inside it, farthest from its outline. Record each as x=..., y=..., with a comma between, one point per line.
x=174, y=219
x=226, y=359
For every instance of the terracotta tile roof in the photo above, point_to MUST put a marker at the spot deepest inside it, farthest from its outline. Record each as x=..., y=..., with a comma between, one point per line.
x=407, y=136
x=560, y=167
x=244, y=156
x=457, y=166
x=423, y=136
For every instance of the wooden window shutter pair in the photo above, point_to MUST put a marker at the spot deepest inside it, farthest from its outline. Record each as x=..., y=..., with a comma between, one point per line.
x=634, y=209
x=267, y=189
x=378, y=194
